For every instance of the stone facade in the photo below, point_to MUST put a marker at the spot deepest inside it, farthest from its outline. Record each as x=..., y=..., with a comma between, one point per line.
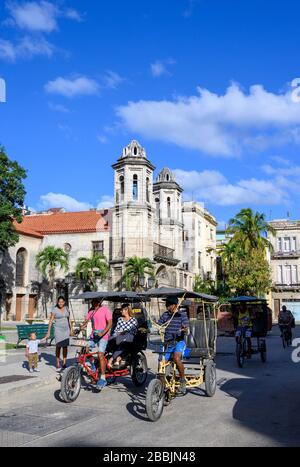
x=285, y=265
x=149, y=219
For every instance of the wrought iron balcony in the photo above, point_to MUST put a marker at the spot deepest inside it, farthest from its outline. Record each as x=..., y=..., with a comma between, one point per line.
x=285, y=254
x=286, y=287
x=163, y=254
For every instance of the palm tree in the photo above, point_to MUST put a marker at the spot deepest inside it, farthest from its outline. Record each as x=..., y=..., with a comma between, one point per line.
x=135, y=269
x=250, y=230
x=91, y=269
x=49, y=260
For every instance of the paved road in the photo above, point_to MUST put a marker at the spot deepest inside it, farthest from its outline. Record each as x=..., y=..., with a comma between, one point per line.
x=256, y=406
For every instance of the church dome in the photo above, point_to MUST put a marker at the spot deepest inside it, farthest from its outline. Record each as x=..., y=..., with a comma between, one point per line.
x=134, y=149
x=165, y=175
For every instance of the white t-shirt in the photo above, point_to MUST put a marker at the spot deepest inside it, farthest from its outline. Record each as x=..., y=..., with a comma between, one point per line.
x=33, y=346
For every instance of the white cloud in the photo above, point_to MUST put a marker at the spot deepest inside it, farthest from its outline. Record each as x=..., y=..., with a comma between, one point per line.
x=112, y=79
x=55, y=200
x=58, y=107
x=102, y=139
x=220, y=125
x=106, y=202
x=213, y=187
x=160, y=67
x=280, y=160
x=292, y=171
x=38, y=16
x=26, y=48
x=72, y=87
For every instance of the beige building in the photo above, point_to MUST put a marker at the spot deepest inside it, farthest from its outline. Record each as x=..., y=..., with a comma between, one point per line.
x=285, y=265
x=149, y=219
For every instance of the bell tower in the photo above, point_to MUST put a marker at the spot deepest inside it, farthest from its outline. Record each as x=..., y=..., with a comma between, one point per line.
x=133, y=212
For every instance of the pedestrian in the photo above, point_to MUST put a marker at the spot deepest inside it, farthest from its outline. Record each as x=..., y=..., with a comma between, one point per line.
x=32, y=352
x=60, y=316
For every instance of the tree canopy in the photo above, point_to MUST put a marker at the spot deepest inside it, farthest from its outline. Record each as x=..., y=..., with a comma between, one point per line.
x=12, y=196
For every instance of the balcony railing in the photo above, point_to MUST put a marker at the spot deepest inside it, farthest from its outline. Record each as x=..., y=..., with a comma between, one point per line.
x=163, y=254
x=294, y=286
x=286, y=254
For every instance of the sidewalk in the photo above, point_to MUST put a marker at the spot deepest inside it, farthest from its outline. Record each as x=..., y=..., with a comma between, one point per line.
x=14, y=374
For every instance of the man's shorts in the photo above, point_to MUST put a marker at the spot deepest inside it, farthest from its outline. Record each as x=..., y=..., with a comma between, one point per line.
x=178, y=347
x=98, y=345
x=245, y=329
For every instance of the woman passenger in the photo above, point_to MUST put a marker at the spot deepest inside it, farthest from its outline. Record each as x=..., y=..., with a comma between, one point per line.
x=123, y=334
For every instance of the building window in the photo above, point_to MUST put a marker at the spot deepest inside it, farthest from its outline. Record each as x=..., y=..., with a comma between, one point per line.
x=286, y=244
x=157, y=207
x=67, y=247
x=147, y=190
x=169, y=207
x=122, y=188
x=199, y=259
x=98, y=247
x=20, y=267
x=294, y=244
x=288, y=275
x=280, y=274
x=279, y=244
x=199, y=229
x=295, y=274
x=135, y=187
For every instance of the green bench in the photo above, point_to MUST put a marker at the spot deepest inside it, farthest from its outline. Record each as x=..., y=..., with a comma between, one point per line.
x=40, y=329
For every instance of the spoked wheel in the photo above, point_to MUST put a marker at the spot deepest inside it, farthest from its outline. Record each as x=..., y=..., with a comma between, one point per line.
x=70, y=384
x=210, y=378
x=139, y=370
x=241, y=353
x=155, y=400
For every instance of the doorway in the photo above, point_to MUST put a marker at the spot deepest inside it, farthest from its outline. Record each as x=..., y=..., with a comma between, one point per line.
x=32, y=306
x=19, y=305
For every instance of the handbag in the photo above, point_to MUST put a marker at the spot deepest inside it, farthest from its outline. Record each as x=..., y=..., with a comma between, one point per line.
x=128, y=337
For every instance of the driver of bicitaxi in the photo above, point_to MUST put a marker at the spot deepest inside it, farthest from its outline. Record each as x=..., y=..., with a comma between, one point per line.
x=174, y=336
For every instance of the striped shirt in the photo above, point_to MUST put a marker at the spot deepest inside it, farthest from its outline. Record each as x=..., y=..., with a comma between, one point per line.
x=174, y=329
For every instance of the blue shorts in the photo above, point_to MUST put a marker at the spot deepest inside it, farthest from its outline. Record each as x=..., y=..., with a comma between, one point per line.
x=98, y=345
x=245, y=329
x=179, y=347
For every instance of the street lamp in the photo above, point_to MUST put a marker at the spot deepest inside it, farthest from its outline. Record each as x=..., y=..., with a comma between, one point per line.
x=151, y=282
x=142, y=281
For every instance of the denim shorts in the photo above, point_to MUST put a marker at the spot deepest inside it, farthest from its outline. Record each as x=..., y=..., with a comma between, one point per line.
x=179, y=347
x=247, y=331
x=98, y=345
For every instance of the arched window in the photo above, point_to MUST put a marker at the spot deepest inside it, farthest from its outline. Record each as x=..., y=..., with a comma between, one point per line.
x=157, y=207
x=169, y=206
x=135, y=151
x=135, y=187
x=122, y=187
x=167, y=177
x=20, y=267
x=148, y=190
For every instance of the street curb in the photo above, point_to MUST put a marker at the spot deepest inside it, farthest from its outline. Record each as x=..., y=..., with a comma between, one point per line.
x=38, y=383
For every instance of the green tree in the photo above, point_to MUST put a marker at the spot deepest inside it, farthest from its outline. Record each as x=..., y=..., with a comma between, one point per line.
x=135, y=268
x=249, y=230
x=249, y=275
x=49, y=260
x=91, y=269
x=12, y=195
x=203, y=286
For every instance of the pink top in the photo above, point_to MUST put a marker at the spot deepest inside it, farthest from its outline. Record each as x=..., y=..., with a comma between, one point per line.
x=100, y=318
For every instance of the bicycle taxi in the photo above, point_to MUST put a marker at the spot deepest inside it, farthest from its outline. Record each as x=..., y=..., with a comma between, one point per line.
x=261, y=318
x=135, y=362
x=199, y=360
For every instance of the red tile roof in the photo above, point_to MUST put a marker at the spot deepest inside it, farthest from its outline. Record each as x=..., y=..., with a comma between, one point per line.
x=21, y=229
x=65, y=222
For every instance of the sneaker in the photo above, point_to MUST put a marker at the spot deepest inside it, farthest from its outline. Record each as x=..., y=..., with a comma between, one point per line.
x=31, y=370
x=58, y=370
x=101, y=384
x=182, y=387
x=36, y=370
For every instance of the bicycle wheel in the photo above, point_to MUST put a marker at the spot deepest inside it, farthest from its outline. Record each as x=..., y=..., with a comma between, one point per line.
x=210, y=378
x=155, y=400
x=70, y=384
x=139, y=369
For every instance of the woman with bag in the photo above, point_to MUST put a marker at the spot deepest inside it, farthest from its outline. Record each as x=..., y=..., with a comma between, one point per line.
x=123, y=335
x=60, y=316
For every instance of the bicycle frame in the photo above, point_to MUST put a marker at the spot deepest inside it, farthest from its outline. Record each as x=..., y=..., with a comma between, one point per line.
x=82, y=358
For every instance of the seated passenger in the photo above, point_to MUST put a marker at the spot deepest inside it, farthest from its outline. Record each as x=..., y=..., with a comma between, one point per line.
x=123, y=335
x=244, y=319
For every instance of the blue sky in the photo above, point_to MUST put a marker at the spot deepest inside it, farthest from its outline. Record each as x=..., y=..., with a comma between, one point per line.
x=204, y=85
